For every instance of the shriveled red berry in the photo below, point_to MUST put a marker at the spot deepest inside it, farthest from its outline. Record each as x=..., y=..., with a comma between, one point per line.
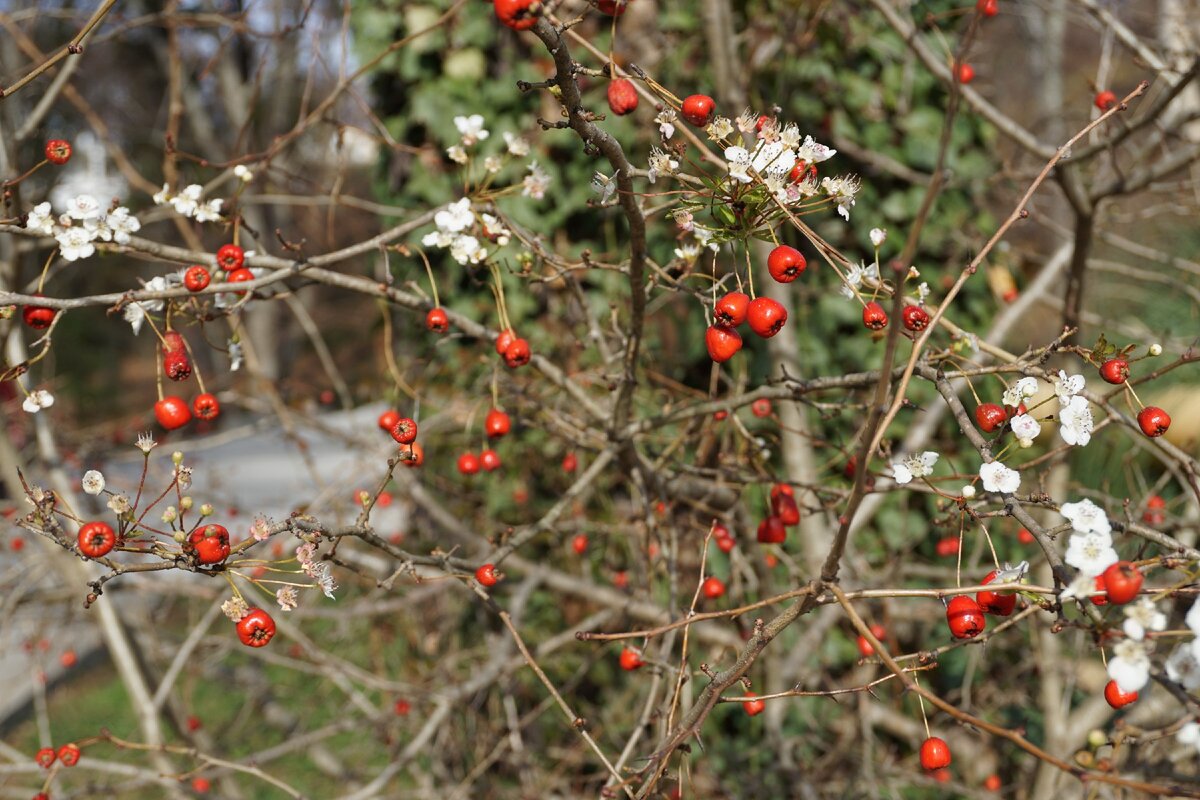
x=915, y=318
x=722, y=343
x=1117, y=698
x=404, y=431
x=256, y=629
x=630, y=659
x=935, y=753
x=487, y=575
x=731, y=309
x=172, y=412
x=698, y=109
x=622, y=96
x=58, y=151
x=965, y=618
x=505, y=338
x=230, y=257
x=496, y=423
x=45, y=757
x=990, y=416
x=196, y=278
x=1115, y=370
x=437, y=321
x=1154, y=421
x=1123, y=580
x=766, y=316
x=874, y=317
x=177, y=366
x=1105, y=99
x=1000, y=604
x=786, y=263
x=96, y=539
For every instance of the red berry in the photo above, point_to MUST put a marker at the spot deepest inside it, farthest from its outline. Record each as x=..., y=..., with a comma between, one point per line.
x=172, y=342
x=915, y=318
x=468, y=463
x=201, y=785
x=1099, y=599
x=1000, y=604
x=865, y=648
x=45, y=757
x=230, y=257
x=1105, y=100
x=417, y=453
x=38, y=317
x=772, y=531
x=194, y=723
x=58, y=151
x=1154, y=421
x=210, y=543
x=68, y=754
x=1117, y=698
x=437, y=321
x=622, y=96
x=196, y=278
x=753, y=707
x=240, y=275
x=935, y=753
x=487, y=575
x=698, y=109
x=786, y=263
x=990, y=416
x=515, y=14
x=613, y=8
x=388, y=419
x=965, y=73
x=874, y=317
x=761, y=408
x=766, y=316
x=630, y=659
x=490, y=460
x=517, y=354
x=992, y=784
x=947, y=546
x=1115, y=370
x=256, y=629
x=721, y=415
x=725, y=543
x=177, y=366
x=579, y=544
x=965, y=619
x=801, y=171
x=68, y=659
x=570, y=463
x=713, y=587
x=1123, y=581
x=96, y=539
x=1153, y=515
x=722, y=343
x=172, y=412
x=404, y=431
x=505, y=338
x=1025, y=537
x=731, y=309
x=989, y=8
x=402, y=708
x=497, y=423
x=620, y=579
x=783, y=504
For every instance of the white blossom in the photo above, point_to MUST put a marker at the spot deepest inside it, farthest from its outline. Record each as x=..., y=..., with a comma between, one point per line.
x=163, y=196
x=967, y=491
x=661, y=164
x=210, y=211
x=842, y=191
x=471, y=128
x=683, y=219
x=1019, y=391
x=738, y=163
x=186, y=202
x=145, y=442
x=998, y=478
x=1075, y=421
x=855, y=276
x=75, y=243
x=119, y=504
x=1025, y=427
x=457, y=153
x=790, y=136
x=813, y=152
x=122, y=224
x=37, y=400
x=1192, y=619
x=1091, y=553
x=285, y=596
x=83, y=207
x=40, y=219
x=878, y=236
x=495, y=230
x=242, y=172
x=466, y=249
x=923, y=292
x=1067, y=387
x=666, y=123
x=1183, y=665
x=492, y=164
x=536, y=182
x=1189, y=735
x=235, y=356
x=516, y=145
x=455, y=217
x=1143, y=616
x=914, y=466
x=235, y=608
x=605, y=186
x=93, y=482
x=719, y=128
x=1086, y=517
x=1129, y=666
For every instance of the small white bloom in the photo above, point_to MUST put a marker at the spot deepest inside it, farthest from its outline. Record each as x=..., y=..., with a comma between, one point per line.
x=135, y=315
x=967, y=491
x=688, y=251
x=853, y=279
x=186, y=202
x=1183, y=665
x=790, y=136
x=842, y=191
x=243, y=173
x=492, y=164
x=260, y=529
x=163, y=196
x=119, y=504
x=1016, y=394
x=666, y=123
x=536, y=182
x=515, y=145
x=914, y=466
x=1075, y=421
x=455, y=217
x=40, y=219
x=37, y=400
x=1129, y=666
x=438, y=239
x=75, y=243
x=998, y=478
x=1155, y=349
x=1083, y=585
x=471, y=128
x=738, y=159
x=121, y=223
x=878, y=236
x=183, y=477
x=1189, y=734
x=1091, y=553
x=748, y=121
x=1067, y=387
x=661, y=164
x=813, y=152
x=285, y=596
x=210, y=211
x=235, y=608
x=235, y=356
x=494, y=230
x=457, y=153
x=683, y=219
x=93, y=482
x=604, y=186
x=145, y=442
x=83, y=207
x=719, y=128
x=1143, y=616
x=1086, y=517
x=466, y=249
x=1025, y=427
x=923, y=292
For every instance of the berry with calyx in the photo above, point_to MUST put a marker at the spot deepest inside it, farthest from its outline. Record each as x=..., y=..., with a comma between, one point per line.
x=210, y=543
x=964, y=73
x=874, y=317
x=731, y=309
x=38, y=317
x=753, y=707
x=965, y=618
x=1105, y=99
x=630, y=659
x=1123, y=581
x=622, y=96
x=388, y=419
x=990, y=416
x=1115, y=370
x=1000, y=604
x=786, y=263
x=58, y=151
x=256, y=629
x=230, y=257
x=517, y=354
x=177, y=365
x=772, y=531
x=915, y=318
x=516, y=14
x=196, y=279
x=468, y=463
x=404, y=431
x=722, y=343
x=68, y=754
x=96, y=539
x=497, y=423
x=490, y=460
x=45, y=757
x=766, y=316
x=935, y=753
x=437, y=321
x=1117, y=698
x=488, y=576
x=172, y=412
x=1153, y=421
x=713, y=587
x=761, y=408
x=698, y=109
x=865, y=648
x=415, y=455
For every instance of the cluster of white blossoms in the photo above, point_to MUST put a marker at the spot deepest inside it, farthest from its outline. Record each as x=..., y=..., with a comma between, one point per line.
x=188, y=203
x=456, y=226
x=1090, y=548
x=917, y=465
x=1130, y=664
x=36, y=400
x=1074, y=416
x=81, y=224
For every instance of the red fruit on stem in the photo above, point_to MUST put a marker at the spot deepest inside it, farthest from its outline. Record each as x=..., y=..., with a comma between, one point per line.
x=630, y=659
x=965, y=618
x=172, y=412
x=517, y=354
x=622, y=96
x=570, y=463
x=256, y=629
x=753, y=707
x=947, y=546
x=488, y=576
x=1117, y=698
x=404, y=431
x=437, y=321
x=726, y=544
x=230, y=257
x=579, y=544
x=1123, y=581
x=173, y=342
x=58, y=151
x=201, y=785
x=417, y=455
x=240, y=275
x=783, y=505
x=990, y=416
x=772, y=531
x=38, y=317
x=935, y=753
x=68, y=659
x=490, y=460
x=786, y=263
x=196, y=279
x=766, y=316
x=1000, y=604
x=505, y=338
x=865, y=648
x=992, y=783
x=915, y=318
x=210, y=543
x=402, y=707
x=874, y=317
x=45, y=757
x=1153, y=515
x=69, y=754
x=964, y=73
x=468, y=464
x=177, y=366
x=515, y=14
x=698, y=109
x=1115, y=370
x=388, y=419
x=713, y=587
x=731, y=309
x=96, y=539
x=1105, y=100
x=722, y=343
x=1025, y=537
x=989, y=8
x=1153, y=421
x=1100, y=599
x=497, y=423
x=761, y=408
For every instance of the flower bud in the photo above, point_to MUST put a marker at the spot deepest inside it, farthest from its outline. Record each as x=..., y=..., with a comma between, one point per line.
x=878, y=236
x=206, y=510
x=170, y=515
x=180, y=537
x=968, y=491
x=177, y=457
x=1156, y=349
x=185, y=502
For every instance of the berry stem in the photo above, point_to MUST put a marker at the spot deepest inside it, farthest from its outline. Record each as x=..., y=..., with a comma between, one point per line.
x=46, y=269
x=432, y=283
